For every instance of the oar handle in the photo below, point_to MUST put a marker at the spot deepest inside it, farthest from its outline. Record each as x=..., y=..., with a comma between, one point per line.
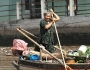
x=28, y=33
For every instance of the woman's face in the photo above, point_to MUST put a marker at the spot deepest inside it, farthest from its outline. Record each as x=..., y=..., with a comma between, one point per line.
x=47, y=17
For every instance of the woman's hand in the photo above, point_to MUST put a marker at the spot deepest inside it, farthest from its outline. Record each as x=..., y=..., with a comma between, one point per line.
x=51, y=10
x=55, y=17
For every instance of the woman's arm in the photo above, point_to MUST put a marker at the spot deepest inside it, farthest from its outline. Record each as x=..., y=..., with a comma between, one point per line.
x=56, y=17
x=49, y=25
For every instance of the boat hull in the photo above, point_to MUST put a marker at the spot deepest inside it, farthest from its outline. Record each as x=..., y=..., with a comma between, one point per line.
x=36, y=65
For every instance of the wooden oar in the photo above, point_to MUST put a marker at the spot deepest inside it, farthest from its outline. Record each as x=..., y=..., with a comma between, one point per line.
x=28, y=33
x=60, y=45
x=35, y=37
x=42, y=47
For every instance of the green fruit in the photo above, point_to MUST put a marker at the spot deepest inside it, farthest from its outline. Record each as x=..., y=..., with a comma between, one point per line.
x=76, y=54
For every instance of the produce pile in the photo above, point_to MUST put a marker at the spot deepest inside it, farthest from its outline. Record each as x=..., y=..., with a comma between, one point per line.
x=80, y=57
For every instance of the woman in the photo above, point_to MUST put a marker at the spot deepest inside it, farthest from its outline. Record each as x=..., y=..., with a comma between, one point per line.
x=46, y=31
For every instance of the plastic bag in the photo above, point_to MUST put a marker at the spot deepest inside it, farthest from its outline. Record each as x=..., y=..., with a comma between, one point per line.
x=34, y=57
x=19, y=44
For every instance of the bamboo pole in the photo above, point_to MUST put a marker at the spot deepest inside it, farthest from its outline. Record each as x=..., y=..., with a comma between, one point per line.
x=40, y=54
x=35, y=37
x=28, y=33
x=60, y=46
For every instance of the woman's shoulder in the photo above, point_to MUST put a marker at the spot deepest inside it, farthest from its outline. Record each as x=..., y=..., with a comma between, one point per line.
x=42, y=20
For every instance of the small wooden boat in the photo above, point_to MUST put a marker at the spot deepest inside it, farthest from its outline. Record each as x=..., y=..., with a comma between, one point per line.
x=44, y=65
x=38, y=65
